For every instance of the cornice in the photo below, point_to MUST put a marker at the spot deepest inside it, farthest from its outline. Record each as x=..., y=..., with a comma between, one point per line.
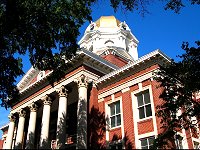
x=134, y=63
x=26, y=79
x=4, y=126
x=88, y=57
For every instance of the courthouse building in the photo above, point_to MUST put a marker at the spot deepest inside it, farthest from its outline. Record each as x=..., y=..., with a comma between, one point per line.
x=106, y=75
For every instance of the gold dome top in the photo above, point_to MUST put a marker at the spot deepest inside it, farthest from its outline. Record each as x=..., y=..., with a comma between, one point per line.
x=107, y=22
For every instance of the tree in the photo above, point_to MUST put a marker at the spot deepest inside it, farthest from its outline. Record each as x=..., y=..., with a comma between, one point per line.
x=47, y=31
x=181, y=82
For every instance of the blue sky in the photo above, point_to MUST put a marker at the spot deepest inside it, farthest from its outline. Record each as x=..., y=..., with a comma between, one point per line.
x=160, y=29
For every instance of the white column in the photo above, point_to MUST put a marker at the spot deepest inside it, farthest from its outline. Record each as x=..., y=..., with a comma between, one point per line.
x=31, y=126
x=10, y=133
x=20, y=129
x=45, y=122
x=82, y=82
x=61, y=122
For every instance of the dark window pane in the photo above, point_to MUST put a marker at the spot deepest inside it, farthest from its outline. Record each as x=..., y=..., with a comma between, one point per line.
x=151, y=139
x=143, y=142
x=117, y=107
x=148, y=110
x=146, y=97
x=112, y=121
x=118, y=120
x=141, y=112
x=140, y=100
x=112, y=109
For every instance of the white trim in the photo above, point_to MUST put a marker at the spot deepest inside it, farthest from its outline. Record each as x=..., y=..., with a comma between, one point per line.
x=122, y=118
x=142, y=136
x=107, y=114
x=146, y=135
x=134, y=63
x=136, y=115
x=125, y=90
x=140, y=86
x=65, y=81
x=153, y=110
x=128, y=83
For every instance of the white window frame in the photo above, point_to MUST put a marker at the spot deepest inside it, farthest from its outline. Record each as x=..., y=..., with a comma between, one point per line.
x=144, y=105
x=115, y=114
x=147, y=140
x=136, y=114
x=135, y=102
x=107, y=107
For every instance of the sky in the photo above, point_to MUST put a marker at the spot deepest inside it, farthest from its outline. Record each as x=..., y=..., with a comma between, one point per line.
x=159, y=29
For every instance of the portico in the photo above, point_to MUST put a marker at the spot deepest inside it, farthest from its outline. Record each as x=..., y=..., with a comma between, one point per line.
x=51, y=110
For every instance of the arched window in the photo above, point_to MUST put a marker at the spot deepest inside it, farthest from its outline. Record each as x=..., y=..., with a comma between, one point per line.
x=109, y=43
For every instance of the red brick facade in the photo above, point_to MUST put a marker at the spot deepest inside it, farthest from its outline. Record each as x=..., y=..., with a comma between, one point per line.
x=112, y=90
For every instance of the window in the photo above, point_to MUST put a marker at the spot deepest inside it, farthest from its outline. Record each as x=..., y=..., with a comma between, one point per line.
x=115, y=114
x=196, y=145
x=147, y=143
x=144, y=104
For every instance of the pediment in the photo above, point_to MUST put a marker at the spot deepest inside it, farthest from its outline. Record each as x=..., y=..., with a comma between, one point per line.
x=27, y=78
x=33, y=75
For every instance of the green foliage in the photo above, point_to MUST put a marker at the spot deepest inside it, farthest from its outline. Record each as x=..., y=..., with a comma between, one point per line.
x=181, y=81
x=47, y=31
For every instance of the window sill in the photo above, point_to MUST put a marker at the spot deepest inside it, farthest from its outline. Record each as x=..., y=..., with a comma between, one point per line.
x=115, y=128
x=145, y=119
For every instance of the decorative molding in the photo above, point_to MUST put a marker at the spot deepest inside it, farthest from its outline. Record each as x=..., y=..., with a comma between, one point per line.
x=82, y=81
x=125, y=89
x=82, y=53
x=11, y=117
x=62, y=91
x=65, y=81
x=33, y=107
x=134, y=63
x=47, y=100
x=126, y=84
x=22, y=113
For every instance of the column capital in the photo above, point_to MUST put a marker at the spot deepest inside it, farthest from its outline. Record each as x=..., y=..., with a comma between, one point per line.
x=47, y=100
x=33, y=107
x=62, y=91
x=22, y=113
x=82, y=81
x=11, y=117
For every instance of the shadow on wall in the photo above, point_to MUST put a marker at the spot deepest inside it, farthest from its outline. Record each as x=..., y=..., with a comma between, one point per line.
x=82, y=124
x=97, y=123
x=96, y=129
x=61, y=132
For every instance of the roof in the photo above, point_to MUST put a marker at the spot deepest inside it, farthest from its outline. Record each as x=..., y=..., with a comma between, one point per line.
x=134, y=63
x=107, y=22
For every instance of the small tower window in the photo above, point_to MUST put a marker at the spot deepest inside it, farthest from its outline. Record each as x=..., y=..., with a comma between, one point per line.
x=109, y=43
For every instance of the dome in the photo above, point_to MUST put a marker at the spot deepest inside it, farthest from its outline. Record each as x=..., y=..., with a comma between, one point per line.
x=110, y=33
x=107, y=22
